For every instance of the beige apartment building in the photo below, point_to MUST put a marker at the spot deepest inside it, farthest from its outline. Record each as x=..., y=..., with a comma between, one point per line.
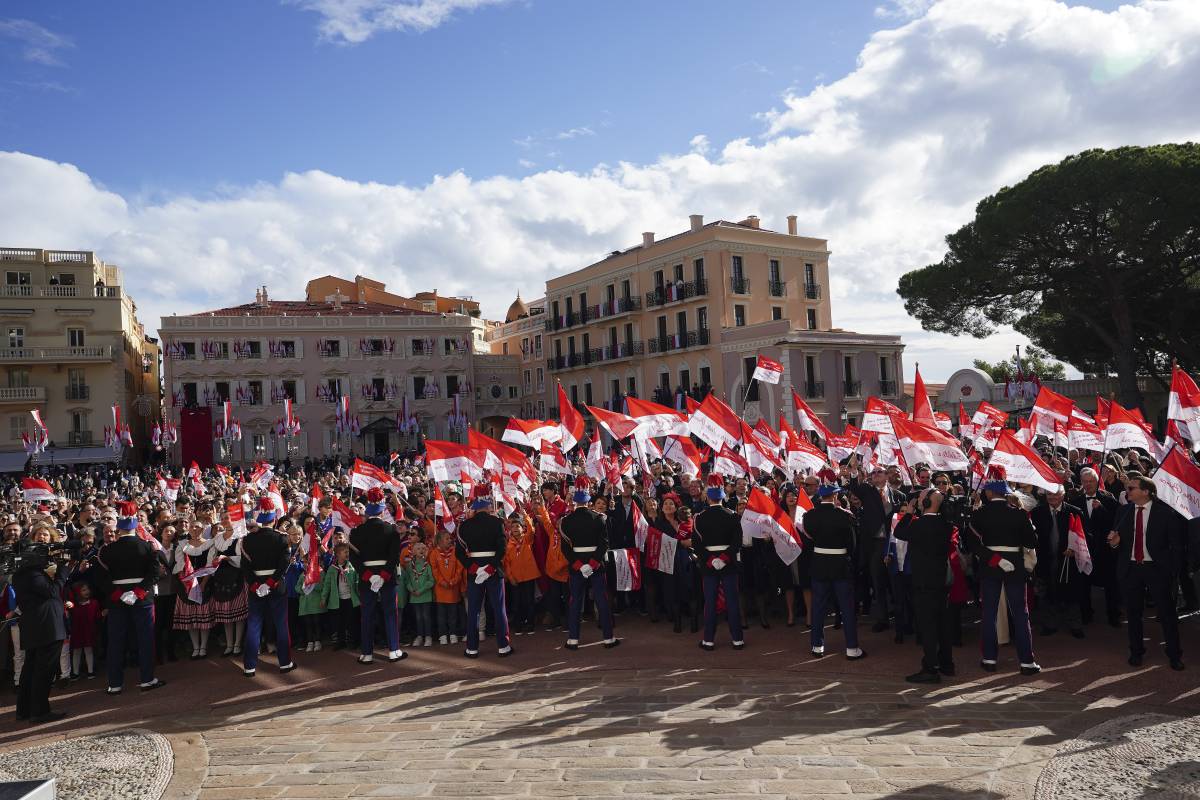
x=73, y=349
x=520, y=337
x=651, y=319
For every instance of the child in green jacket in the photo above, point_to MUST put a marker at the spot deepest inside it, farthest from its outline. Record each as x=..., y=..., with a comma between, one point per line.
x=418, y=579
x=339, y=594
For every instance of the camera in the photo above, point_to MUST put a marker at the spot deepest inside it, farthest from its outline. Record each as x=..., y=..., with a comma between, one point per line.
x=36, y=555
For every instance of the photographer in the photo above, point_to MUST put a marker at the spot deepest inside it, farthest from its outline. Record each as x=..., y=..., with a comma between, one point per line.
x=38, y=582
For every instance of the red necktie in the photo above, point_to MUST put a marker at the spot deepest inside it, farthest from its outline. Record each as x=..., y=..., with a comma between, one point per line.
x=1139, y=537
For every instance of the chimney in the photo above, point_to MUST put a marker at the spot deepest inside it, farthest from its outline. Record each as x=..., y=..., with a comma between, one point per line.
x=752, y=221
x=792, y=225
x=647, y=238
x=697, y=221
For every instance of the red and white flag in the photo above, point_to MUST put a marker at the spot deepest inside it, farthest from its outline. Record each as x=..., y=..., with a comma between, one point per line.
x=36, y=490
x=237, y=519
x=656, y=420
x=170, y=489
x=681, y=450
x=767, y=371
x=943, y=421
x=1178, y=482
x=570, y=422
x=766, y=436
x=1127, y=429
x=343, y=517
x=261, y=476
x=841, y=447
x=730, y=463
x=594, y=464
x=364, y=476
x=441, y=510
x=552, y=460
x=531, y=432
x=716, y=424
x=924, y=444
x=1078, y=544
x=804, y=456
x=988, y=416
x=1183, y=405
x=922, y=409
x=1083, y=435
x=659, y=551
x=878, y=415
x=314, y=499
x=447, y=461
x=617, y=425
x=966, y=428
x=761, y=457
x=1022, y=464
x=195, y=476
x=276, y=498
x=764, y=519
x=807, y=419
x=628, y=569
x=1053, y=405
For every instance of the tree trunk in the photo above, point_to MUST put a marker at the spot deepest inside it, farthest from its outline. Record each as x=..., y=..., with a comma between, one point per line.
x=1125, y=356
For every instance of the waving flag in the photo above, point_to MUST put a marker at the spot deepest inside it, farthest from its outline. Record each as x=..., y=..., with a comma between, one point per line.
x=878, y=415
x=196, y=478
x=764, y=519
x=966, y=428
x=988, y=416
x=922, y=408
x=446, y=461
x=1053, y=405
x=1083, y=435
x=343, y=517
x=312, y=561
x=656, y=420
x=530, y=432
x=552, y=460
x=594, y=463
x=364, y=476
x=616, y=424
x=803, y=455
x=766, y=436
x=170, y=489
x=730, y=463
x=841, y=447
x=570, y=422
x=627, y=568
x=761, y=457
x=929, y=445
x=314, y=498
x=716, y=424
x=681, y=450
x=767, y=371
x=36, y=490
x=1178, y=482
x=261, y=476
x=807, y=419
x=1079, y=545
x=1183, y=405
x=1126, y=429
x=1022, y=464
x=237, y=519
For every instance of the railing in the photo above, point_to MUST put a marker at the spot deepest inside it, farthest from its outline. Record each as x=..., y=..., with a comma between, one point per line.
x=682, y=341
x=777, y=288
x=593, y=312
x=739, y=285
x=79, y=392
x=887, y=388
x=814, y=390
x=18, y=254
x=96, y=353
x=812, y=291
x=79, y=438
x=23, y=393
x=284, y=352
x=852, y=388
x=676, y=292
x=55, y=290
x=16, y=291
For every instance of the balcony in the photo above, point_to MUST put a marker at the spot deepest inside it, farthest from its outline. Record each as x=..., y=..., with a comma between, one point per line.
x=814, y=390
x=739, y=284
x=55, y=291
x=79, y=438
x=79, y=392
x=37, y=355
x=777, y=288
x=23, y=394
x=812, y=291
x=682, y=341
x=852, y=388
x=609, y=308
x=676, y=292
x=887, y=388
x=595, y=355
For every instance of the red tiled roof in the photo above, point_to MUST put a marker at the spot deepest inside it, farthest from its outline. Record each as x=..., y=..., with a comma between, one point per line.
x=303, y=308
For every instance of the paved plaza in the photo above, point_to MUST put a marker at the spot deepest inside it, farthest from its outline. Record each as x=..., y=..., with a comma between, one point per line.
x=659, y=718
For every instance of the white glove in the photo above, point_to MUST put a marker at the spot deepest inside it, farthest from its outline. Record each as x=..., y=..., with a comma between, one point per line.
x=129, y=598
x=1006, y=565
x=481, y=576
x=586, y=570
x=718, y=563
x=263, y=590
x=376, y=583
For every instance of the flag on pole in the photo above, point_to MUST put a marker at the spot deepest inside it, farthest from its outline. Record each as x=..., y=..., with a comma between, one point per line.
x=764, y=519
x=730, y=463
x=530, y=432
x=878, y=415
x=654, y=419
x=552, y=460
x=617, y=425
x=237, y=519
x=364, y=476
x=1178, y=482
x=767, y=371
x=716, y=424
x=987, y=415
x=1083, y=435
x=803, y=455
x=1053, y=405
x=1022, y=464
x=922, y=409
x=807, y=419
x=681, y=450
x=1079, y=545
x=1126, y=429
x=36, y=490
x=627, y=568
x=447, y=461
x=929, y=445
x=570, y=422
x=1183, y=405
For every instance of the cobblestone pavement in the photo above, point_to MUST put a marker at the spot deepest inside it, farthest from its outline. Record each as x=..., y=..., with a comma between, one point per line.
x=649, y=719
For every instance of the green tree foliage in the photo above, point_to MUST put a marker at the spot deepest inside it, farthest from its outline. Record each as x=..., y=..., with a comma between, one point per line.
x=1096, y=259
x=1034, y=360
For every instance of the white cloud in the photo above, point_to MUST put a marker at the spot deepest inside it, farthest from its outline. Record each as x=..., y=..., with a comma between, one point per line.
x=37, y=44
x=355, y=21
x=526, y=163
x=575, y=133
x=883, y=162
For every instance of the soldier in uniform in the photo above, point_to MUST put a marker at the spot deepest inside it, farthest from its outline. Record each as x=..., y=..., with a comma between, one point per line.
x=375, y=553
x=1001, y=532
x=264, y=558
x=132, y=570
x=584, y=539
x=480, y=549
x=718, y=534
x=832, y=531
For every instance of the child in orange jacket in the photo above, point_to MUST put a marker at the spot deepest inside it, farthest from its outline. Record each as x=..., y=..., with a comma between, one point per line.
x=448, y=586
x=521, y=570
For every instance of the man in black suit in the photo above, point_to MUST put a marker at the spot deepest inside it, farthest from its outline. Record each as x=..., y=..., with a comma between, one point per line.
x=930, y=540
x=879, y=502
x=620, y=534
x=1148, y=539
x=39, y=585
x=1058, y=583
x=1097, y=510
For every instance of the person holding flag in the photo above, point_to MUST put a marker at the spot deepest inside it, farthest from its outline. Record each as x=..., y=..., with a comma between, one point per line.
x=1059, y=584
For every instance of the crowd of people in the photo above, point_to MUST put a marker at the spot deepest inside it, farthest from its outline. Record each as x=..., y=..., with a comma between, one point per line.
x=120, y=568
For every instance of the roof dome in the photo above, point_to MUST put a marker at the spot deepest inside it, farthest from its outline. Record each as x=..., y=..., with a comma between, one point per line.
x=517, y=310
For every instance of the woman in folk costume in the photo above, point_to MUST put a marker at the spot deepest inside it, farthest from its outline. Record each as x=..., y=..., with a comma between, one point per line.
x=227, y=586
x=193, y=610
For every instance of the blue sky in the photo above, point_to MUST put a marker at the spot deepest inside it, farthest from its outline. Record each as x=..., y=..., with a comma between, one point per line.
x=495, y=143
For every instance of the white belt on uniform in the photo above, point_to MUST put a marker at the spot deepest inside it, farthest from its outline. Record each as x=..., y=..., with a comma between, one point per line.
x=584, y=549
x=716, y=548
x=1000, y=549
x=126, y=581
x=264, y=572
x=481, y=554
x=830, y=551
x=374, y=563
